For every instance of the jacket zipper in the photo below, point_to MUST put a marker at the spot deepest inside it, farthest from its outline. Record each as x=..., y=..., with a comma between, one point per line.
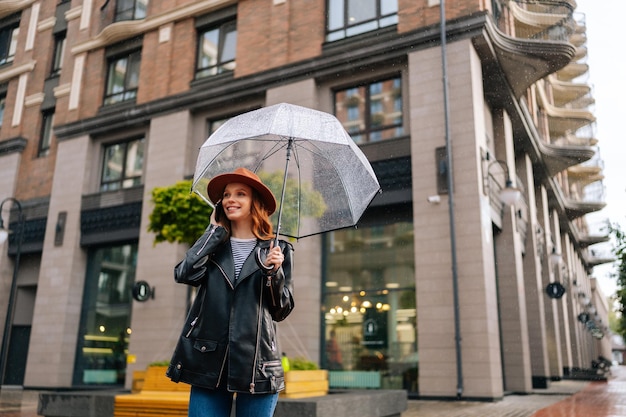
x=193, y=324
x=219, y=378
x=258, y=339
x=268, y=283
x=207, y=240
x=270, y=363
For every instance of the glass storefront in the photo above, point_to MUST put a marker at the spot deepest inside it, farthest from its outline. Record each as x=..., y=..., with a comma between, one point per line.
x=369, y=307
x=105, y=318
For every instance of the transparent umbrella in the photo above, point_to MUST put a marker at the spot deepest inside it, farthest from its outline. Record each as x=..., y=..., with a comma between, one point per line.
x=321, y=179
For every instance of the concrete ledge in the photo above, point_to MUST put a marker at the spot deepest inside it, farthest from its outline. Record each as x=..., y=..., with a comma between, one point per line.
x=77, y=403
x=360, y=403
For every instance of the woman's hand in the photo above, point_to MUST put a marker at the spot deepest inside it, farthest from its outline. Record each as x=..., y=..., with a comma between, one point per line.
x=274, y=256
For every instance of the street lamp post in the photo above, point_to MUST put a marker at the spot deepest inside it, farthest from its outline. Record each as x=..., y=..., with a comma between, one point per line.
x=4, y=234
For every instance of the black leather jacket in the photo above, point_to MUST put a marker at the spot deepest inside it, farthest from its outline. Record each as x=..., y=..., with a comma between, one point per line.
x=229, y=336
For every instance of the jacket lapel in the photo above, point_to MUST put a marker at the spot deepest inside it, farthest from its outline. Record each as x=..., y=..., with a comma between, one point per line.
x=250, y=266
x=226, y=262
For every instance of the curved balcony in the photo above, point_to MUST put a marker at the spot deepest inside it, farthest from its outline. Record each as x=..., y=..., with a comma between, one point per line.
x=572, y=70
x=560, y=119
x=561, y=157
x=8, y=7
x=588, y=240
x=533, y=18
x=584, y=174
x=535, y=45
x=595, y=258
x=575, y=140
x=581, y=52
x=564, y=92
x=576, y=208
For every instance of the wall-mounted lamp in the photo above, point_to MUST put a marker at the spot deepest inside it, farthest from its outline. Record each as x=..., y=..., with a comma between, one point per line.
x=555, y=257
x=509, y=194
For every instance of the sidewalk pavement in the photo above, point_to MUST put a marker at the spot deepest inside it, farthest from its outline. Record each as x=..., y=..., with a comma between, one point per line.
x=563, y=399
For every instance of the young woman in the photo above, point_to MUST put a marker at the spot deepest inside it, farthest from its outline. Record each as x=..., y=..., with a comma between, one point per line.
x=228, y=344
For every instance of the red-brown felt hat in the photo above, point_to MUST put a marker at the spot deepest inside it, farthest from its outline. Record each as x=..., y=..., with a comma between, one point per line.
x=216, y=186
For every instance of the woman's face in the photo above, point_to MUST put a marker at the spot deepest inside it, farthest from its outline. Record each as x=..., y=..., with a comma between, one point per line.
x=237, y=201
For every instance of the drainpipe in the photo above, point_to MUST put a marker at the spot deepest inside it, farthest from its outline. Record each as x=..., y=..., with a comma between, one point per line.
x=455, y=277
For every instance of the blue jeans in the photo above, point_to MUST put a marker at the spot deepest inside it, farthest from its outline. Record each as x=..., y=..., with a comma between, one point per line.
x=218, y=403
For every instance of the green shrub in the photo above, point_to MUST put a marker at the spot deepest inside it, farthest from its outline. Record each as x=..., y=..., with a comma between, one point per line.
x=302, y=364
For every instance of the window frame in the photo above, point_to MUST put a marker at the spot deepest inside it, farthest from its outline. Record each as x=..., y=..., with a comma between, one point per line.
x=3, y=102
x=110, y=185
x=135, y=11
x=371, y=131
x=348, y=30
x=46, y=133
x=133, y=58
x=11, y=25
x=225, y=27
x=58, y=53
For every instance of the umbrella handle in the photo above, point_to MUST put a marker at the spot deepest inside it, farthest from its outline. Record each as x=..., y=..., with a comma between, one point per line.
x=260, y=262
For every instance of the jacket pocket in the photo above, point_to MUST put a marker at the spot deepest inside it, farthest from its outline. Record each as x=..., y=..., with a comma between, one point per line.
x=204, y=346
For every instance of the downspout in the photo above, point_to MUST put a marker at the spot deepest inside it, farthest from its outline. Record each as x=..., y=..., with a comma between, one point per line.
x=455, y=277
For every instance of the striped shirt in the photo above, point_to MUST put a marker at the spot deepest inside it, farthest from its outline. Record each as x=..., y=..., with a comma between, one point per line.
x=241, y=250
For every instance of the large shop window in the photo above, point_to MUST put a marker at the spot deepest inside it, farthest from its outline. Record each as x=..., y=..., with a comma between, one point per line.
x=106, y=313
x=369, y=307
x=122, y=165
x=346, y=18
x=371, y=112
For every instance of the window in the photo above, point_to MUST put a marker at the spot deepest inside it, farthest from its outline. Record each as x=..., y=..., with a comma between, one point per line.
x=105, y=318
x=123, y=78
x=8, y=42
x=59, y=52
x=3, y=99
x=122, y=165
x=370, y=323
x=346, y=18
x=130, y=10
x=47, y=121
x=371, y=112
x=216, y=49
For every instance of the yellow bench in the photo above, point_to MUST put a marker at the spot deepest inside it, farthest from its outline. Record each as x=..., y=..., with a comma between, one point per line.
x=153, y=395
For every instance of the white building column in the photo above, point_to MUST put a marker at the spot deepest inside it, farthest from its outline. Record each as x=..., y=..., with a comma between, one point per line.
x=510, y=275
x=62, y=275
x=157, y=323
x=478, y=311
x=535, y=294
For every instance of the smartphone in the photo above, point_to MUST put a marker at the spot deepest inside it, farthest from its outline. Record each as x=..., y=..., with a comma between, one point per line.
x=219, y=212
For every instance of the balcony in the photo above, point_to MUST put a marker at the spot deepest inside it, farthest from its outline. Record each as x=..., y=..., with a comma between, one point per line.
x=561, y=157
x=595, y=257
x=572, y=70
x=564, y=92
x=562, y=119
x=525, y=42
x=584, y=174
x=592, y=199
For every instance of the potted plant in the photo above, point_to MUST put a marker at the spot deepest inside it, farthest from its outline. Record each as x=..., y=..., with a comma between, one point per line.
x=304, y=379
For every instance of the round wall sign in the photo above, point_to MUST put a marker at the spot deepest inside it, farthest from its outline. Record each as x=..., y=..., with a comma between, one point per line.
x=555, y=290
x=142, y=291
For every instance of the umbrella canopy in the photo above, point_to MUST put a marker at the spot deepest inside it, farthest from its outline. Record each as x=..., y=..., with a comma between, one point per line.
x=321, y=179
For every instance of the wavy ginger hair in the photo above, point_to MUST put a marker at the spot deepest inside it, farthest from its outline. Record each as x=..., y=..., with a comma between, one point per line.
x=261, y=225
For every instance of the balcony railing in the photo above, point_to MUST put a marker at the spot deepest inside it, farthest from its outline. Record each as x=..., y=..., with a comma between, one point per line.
x=540, y=20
